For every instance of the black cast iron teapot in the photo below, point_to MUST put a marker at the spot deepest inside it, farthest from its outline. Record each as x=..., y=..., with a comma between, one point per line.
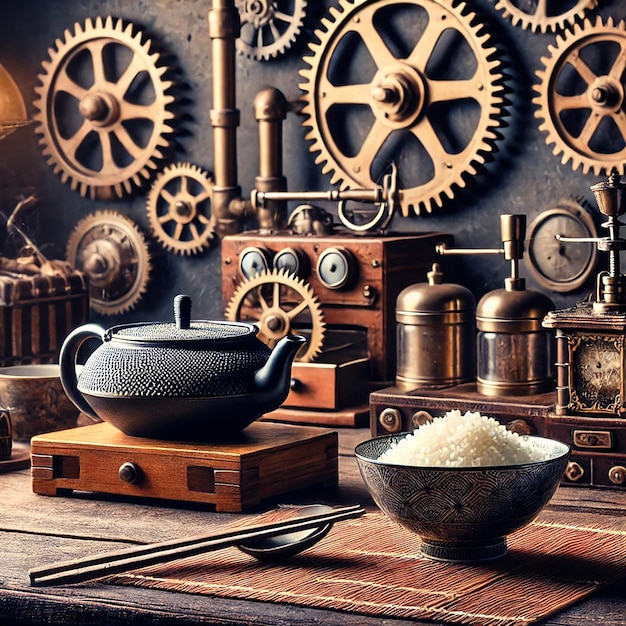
x=183, y=380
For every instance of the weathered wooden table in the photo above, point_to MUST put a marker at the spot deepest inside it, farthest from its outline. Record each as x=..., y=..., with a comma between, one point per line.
x=37, y=530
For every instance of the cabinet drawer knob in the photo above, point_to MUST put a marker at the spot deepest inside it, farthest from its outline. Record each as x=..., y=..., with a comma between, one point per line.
x=391, y=420
x=128, y=473
x=574, y=471
x=617, y=475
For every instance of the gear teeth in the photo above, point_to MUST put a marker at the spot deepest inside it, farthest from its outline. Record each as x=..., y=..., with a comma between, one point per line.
x=297, y=284
x=127, y=234
x=564, y=52
x=142, y=159
x=201, y=228
x=279, y=39
x=491, y=95
x=544, y=23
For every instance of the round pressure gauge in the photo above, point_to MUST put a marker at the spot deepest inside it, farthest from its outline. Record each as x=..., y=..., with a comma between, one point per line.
x=293, y=261
x=254, y=260
x=560, y=265
x=336, y=268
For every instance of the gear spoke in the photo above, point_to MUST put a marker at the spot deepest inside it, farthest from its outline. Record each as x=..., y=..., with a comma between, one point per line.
x=195, y=233
x=72, y=144
x=421, y=53
x=178, y=231
x=584, y=71
x=108, y=162
x=401, y=96
x=375, y=44
x=284, y=17
x=276, y=295
x=135, y=68
x=123, y=136
x=588, y=128
x=296, y=310
x=542, y=9
x=169, y=199
x=617, y=71
x=66, y=84
x=97, y=62
x=105, y=104
x=426, y=135
x=346, y=94
x=176, y=208
x=274, y=31
x=450, y=90
x=263, y=303
x=371, y=146
x=140, y=111
x=274, y=320
x=570, y=103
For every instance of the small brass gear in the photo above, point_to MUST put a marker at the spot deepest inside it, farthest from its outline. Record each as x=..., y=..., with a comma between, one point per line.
x=179, y=206
x=104, y=108
x=280, y=304
x=582, y=96
x=268, y=27
x=416, y=83
x=111, y=251
x=543, y=16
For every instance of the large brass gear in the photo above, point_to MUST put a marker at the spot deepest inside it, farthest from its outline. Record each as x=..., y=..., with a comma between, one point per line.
x=268, y=27
x=179, y=206
x=104, y=108
x=581, y=99
x=111, y=251
x=544, y=16
x=280, y=303
x=429, y=92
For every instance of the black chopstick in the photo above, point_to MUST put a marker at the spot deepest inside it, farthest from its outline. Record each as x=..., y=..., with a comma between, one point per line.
x=88, y=568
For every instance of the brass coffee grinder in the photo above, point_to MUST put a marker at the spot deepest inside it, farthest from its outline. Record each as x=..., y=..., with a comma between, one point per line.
x=514, y=379
x=590, y=411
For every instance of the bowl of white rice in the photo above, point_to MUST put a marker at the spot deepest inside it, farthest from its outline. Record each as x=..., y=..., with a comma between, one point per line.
x=462, y=482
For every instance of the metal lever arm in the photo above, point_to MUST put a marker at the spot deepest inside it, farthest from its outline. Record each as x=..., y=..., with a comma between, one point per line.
x=386, y=198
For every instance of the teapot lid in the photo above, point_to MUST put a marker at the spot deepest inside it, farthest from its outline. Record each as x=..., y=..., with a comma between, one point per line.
x=183, y=329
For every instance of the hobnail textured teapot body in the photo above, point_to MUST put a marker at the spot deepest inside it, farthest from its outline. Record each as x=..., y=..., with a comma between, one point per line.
x=192, y=379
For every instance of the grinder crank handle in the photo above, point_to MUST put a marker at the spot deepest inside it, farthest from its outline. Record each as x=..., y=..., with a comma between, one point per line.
x=67, y=364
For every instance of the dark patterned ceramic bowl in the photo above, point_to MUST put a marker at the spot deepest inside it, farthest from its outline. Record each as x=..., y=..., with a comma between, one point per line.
x=462, y=513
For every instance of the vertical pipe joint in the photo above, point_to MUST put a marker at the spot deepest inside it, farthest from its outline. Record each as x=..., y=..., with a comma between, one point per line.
x=270, y=109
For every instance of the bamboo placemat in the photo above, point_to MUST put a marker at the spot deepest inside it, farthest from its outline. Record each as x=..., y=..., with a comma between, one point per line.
x=371, y=566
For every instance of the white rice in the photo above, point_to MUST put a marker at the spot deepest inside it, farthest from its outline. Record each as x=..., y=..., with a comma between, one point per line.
x=456, y=440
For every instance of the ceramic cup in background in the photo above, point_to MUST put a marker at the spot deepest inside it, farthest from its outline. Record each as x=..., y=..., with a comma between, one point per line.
x=34, y=397
x=6, y=435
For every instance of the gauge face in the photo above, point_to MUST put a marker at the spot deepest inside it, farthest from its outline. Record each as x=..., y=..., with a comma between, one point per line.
x=561, y=265
x=291, y=261
x=596, y=372
x=253, y=261
x=335, y=268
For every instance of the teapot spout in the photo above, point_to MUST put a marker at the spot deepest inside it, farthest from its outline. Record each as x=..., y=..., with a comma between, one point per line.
x=272, y=381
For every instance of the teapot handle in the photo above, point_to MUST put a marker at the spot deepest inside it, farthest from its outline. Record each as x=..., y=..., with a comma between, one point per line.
x=67, y=364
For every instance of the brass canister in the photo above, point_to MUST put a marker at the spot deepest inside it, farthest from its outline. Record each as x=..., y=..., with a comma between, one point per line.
x=514, y=351
x=435, y=334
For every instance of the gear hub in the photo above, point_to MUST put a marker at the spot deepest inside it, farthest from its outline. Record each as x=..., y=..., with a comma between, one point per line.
x=104, y=109
x=417, y=84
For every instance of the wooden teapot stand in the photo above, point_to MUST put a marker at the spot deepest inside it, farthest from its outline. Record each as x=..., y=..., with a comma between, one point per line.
x=265, y=460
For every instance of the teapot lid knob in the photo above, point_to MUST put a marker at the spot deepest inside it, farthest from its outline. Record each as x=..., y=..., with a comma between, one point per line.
x=182, y=311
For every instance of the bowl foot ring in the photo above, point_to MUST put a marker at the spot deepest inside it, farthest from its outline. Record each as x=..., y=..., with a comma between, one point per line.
x=464, y=551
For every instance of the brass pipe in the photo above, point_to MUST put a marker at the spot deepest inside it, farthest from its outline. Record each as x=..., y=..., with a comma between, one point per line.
x=270, y=109
x=227, y=206
x=261, y=199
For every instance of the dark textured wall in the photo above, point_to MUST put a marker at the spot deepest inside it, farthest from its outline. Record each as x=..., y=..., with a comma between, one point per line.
x=525, y=177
